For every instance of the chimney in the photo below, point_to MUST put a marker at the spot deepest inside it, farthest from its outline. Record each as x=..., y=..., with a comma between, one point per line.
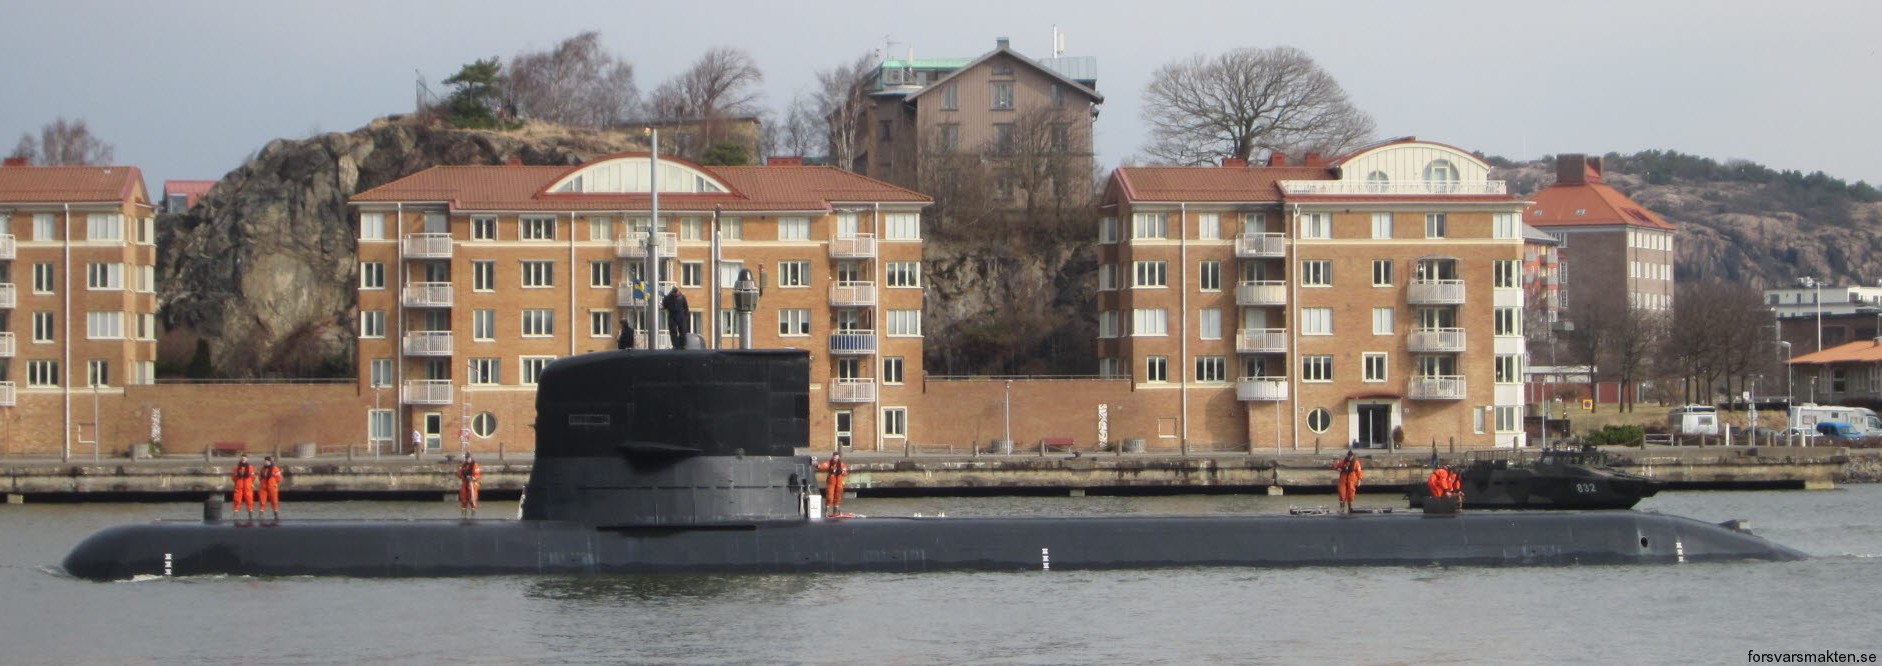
x=1277, y=159
x=1002, y=43
x=1314, y=159
x=1594, y=169
x=1234, y=162
x=1571, y=169
x=782, y=160
x=15, y=161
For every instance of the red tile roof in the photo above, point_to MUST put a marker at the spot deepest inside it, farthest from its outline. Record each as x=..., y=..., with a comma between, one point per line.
x=69, y=184
x=767, y=188
x=1599, y=204
x=1215, y=184
x=1849, y=352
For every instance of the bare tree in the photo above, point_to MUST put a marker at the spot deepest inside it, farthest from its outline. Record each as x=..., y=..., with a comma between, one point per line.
x=802, y=133
x=1248, y=100
x=1634, y=340
x=1717, y=336
x=721, y=86
x=576, y=83
x=63, y=143
x=839, y=103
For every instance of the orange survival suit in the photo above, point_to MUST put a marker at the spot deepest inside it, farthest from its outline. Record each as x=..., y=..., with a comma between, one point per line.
x=833, y=485
x=270, y=495
x=244, y=477
x=1444, y=482
x=469, y=475
x=1350, y=474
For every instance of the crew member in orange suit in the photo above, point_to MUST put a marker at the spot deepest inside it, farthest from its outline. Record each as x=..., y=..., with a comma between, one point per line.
x=1350, y=474
x=469, y=477
x=270, y=495
x=833, y=485
x=1444, y=482
x=244, y=477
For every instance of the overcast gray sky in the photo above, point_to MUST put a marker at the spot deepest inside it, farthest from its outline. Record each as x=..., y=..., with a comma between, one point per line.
x=186, y=89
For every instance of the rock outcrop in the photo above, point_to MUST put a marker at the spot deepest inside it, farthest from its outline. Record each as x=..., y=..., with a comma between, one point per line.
x=263, y=268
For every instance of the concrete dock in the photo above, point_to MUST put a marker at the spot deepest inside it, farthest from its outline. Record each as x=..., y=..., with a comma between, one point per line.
x=189, y=478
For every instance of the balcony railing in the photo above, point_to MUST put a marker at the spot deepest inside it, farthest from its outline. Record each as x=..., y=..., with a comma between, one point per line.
x=1435, y=292
x=1261, y=292
x=853, y=246
x=1436, y=387
x=1261, y=341
x=427, y=392
x=851, y=294
x=7, y=246
x=1261, y=246
x=428, y=246
x=1435, y=340
x=634, y=245
x=9, y=296
x=1398, y=188
x=1261, y=388
x=6, y=345
x=428, y=295
x=7, y=398
x=853, y=389
x=428, y=343
x=853, y=342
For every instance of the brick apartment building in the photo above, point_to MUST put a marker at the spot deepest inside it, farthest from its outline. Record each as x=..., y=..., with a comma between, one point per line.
x=77, y=300
x=471, y=279
x=1332, y=301
x=1610, y=247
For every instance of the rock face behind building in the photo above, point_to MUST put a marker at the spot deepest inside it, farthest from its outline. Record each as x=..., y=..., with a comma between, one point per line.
x=263, y=270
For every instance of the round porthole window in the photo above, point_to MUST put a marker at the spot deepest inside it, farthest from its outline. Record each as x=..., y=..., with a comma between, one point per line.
x=1319, y=420
x=484, y=424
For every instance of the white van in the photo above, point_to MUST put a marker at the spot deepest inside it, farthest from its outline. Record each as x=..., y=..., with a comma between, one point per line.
x=1693, y=420
x=1862, y=418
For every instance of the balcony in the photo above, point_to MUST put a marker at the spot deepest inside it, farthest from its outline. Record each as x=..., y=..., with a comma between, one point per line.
x=7, y=348
x=1261, y=246
x=853, y=246
x=852, y=390
x=1400, y=188
x=7, y=398
x=428, y=295
x=853, y=343
x=1261, y=388
x=634, y=245
x=427, y=392
x=7, y=247
x=1435, y=340
x=428, y=343
x=1436, y=387
x=1261, y=341
x=1261, y=292
x=428, y=246
x=853, y=294
x=9, y=296
x=1435, y=292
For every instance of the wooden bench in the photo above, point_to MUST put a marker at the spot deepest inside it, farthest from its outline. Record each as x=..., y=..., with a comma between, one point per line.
x=1056, y=443
x=228, y=448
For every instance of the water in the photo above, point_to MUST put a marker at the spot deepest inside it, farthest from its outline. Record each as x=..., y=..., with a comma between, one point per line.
x=1709, y=613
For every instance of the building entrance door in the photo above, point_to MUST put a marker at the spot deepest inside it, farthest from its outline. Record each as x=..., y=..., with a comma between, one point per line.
x=1375, y=425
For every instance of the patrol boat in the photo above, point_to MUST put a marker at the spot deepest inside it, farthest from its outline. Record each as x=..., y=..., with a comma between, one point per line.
x=1558, y=478
x=664, y=461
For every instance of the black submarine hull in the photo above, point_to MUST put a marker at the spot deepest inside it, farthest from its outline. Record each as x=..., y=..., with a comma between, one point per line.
x=512, y=547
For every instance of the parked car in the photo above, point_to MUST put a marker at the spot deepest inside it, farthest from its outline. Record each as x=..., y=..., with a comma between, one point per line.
x=1800, y=435
x=1838, y=429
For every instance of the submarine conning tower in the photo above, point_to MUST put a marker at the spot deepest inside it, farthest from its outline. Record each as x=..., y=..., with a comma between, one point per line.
x=648, y=438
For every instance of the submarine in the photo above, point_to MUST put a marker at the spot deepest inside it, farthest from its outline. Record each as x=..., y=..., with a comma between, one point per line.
x=684, y=461
x=1558, y=478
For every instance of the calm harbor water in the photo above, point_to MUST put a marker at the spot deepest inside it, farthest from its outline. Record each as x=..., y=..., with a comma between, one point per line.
x=1701, y=614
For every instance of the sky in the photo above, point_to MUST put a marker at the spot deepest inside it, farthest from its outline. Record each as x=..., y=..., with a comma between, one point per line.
x=187, y=89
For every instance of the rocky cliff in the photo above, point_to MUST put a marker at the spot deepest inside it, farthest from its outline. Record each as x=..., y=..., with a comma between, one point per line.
x=263, y=268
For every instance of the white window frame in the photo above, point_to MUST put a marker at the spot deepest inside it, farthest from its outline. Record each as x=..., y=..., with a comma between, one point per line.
x=1213, y=369
x=483, y=275
x=107, y=276
x=901, y=227
x=1437, y=225
x=1506, y=225
x=372, y=275
x=372, y=323
x=1209, y=275
x=105, y=325
x=1316, y=368
x=45, y=227
x=483, y=325
x=1156, y=369
x=536, y=228
x=903, y=274
x=1382, y=272
x=1150, y=322
x=483, y=227
x=904, y=323
x=538, y=322
x=793, y=322
x=1209, y=323
x=793, y=229
x=731, y=228
x=1316, y=273
x=1376, y=367
x=1150, y=226
x=1316, y=226
x=45, y=326
x=42, y=372
x=105, y=227
x=1150, y=274
x=1107, y=277
x=1506, y=273
x=895, y=422
x=45, y=278
x=1316, y=321
x=379, y=372
x=537, y=274
x=1108, y=324
x=1208, y=226
x=380, y=424
x=531, y=367
x=1381, y=226
x=601, y=323
x=894, y=370
x=792, y=274
x=1107, y=230
x=1382, y=320
x=485, y=371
